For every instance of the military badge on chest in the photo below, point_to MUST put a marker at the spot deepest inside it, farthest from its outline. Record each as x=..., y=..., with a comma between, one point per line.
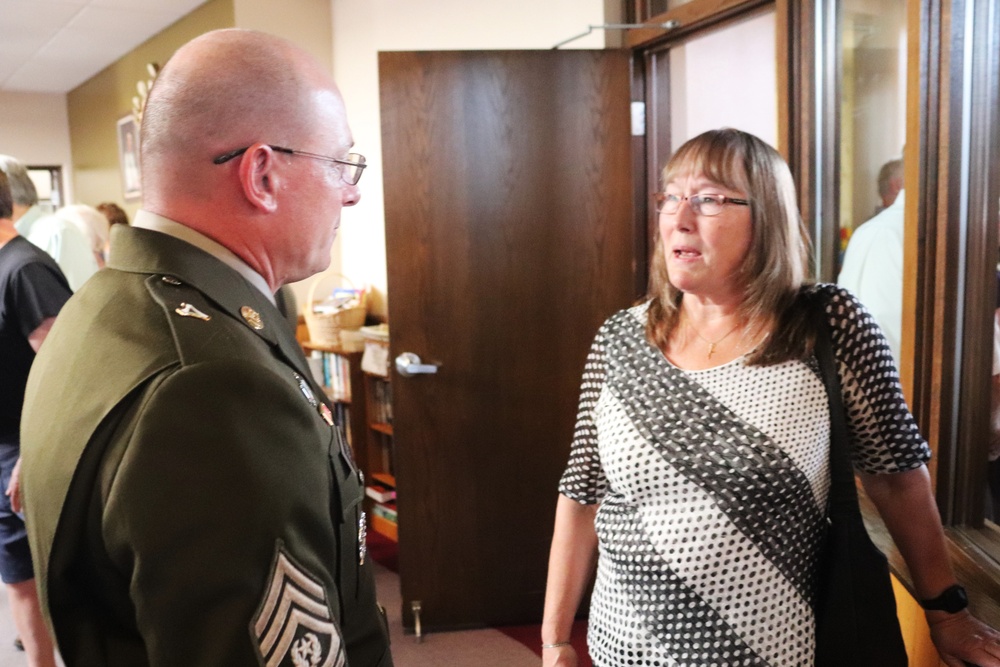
x=345, y=453
x=322, y=408
x=294, y=626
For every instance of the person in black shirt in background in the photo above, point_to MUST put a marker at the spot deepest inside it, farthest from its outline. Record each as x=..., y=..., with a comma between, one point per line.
x=32, y=290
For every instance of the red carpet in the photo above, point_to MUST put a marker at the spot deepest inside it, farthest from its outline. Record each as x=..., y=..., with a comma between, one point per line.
x=530, y=636
x=382, y=550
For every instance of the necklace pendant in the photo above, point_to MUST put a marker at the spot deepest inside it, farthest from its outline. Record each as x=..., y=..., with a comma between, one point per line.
x=711, y=350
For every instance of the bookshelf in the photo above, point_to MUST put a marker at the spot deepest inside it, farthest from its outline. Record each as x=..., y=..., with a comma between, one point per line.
x=339, y=371
x=381, y=489
x=363, y=406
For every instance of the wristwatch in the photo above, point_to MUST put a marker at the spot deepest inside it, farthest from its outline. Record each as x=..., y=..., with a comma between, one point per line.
x=952, y=600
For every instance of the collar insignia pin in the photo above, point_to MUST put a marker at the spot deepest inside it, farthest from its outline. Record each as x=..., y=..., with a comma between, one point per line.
x=252, y=317
x=327, y=415
x=187, y=310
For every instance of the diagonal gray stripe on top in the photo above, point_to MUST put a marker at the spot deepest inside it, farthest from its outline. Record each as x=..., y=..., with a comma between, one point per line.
x=690, y=630
x=752, y=480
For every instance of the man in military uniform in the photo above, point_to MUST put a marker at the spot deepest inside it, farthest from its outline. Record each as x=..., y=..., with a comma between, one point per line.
x=189, y=499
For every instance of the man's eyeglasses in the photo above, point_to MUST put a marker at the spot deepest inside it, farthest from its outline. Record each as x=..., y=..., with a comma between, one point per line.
x=707, y=205
x=351, y=166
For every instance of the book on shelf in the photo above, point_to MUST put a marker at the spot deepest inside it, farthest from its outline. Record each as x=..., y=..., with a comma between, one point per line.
x=382, y=402
x=381, y=488
x=386, y=511
x=333, y=371
x=385, y=527
x=380, y=494
x=342, y=418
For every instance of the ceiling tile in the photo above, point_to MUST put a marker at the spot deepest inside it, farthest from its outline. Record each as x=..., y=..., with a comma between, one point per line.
x=176, y=8
x=53, y=46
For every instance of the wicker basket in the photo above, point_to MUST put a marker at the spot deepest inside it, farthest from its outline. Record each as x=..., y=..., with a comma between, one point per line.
x=325, y=328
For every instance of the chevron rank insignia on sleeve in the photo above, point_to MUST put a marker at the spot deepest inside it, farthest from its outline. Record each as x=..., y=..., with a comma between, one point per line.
x=294, y=626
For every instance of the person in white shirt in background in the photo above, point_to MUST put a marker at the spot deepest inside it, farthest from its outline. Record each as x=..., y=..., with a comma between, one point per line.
x=61, y=239
x=873, y=262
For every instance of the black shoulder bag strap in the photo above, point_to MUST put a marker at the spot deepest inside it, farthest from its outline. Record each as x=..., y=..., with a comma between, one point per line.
x=856, y=621
x=843, y=500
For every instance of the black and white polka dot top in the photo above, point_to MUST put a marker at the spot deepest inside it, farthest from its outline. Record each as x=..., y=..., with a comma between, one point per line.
x=712, y=487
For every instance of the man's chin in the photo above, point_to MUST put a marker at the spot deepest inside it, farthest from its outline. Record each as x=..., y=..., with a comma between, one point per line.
x=305, y=272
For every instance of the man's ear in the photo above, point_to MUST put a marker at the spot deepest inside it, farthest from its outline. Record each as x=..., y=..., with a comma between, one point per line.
x=258, y=177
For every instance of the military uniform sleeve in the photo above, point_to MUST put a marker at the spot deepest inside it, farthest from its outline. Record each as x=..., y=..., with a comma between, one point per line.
x=219, y=510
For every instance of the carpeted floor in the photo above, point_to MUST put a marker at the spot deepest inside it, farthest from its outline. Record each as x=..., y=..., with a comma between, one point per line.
x=530, y=636
x=509, y=646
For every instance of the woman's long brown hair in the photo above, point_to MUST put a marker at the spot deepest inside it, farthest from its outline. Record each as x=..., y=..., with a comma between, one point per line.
x=774, y=269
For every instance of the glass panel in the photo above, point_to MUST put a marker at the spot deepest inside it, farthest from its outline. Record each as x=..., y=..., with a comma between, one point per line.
x=973, y=208
x=872, y=134
x=48, y=183
x=985, y=171
x=707, y=92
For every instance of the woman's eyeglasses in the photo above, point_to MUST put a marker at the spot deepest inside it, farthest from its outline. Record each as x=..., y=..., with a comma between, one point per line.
x=707, y=205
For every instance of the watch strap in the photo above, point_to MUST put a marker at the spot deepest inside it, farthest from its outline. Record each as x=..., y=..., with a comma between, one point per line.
x=952, y=600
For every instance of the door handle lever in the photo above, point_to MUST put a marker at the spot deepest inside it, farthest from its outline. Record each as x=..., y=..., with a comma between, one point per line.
x=408, y=364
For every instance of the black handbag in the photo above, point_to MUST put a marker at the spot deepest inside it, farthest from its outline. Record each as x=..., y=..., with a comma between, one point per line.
x=856, y=622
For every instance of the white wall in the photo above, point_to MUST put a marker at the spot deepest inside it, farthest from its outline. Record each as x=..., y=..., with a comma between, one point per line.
x=306, y=22
x=362, y=28
x=708, y=93
x=34, y=128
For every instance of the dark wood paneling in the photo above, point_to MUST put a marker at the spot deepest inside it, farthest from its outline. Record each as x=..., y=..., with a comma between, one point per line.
x=948, y=275
x=510, y=236
x=981, y=218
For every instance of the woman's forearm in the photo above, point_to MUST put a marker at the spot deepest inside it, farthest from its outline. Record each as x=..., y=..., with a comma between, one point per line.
x=571, y=563
x=907, y=507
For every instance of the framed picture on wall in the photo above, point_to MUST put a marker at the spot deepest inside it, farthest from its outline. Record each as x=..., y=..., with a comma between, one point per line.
x=128, y=157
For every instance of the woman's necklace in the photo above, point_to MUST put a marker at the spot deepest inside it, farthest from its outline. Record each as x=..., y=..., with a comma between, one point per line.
x=712, y=343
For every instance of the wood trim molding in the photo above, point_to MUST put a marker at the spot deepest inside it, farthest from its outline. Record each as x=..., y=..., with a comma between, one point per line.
x=796, y=22
x=945, y=386
x=692, y=16
x=952, y=224
x=928, y=259
x=978, y=292
x=921, y=83
x=783, y=58
x=970, y=562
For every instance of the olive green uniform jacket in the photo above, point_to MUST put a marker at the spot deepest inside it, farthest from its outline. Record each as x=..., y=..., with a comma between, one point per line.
x=188, y=500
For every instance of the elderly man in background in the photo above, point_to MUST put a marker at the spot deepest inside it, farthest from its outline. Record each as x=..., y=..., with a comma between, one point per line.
x=890, y=184
x=188, y=495
x=873, y=263
x=93, y=225
x=32, y=290
x=61, y=239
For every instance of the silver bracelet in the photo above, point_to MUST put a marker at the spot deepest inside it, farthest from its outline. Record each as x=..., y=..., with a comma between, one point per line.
x=556, y=645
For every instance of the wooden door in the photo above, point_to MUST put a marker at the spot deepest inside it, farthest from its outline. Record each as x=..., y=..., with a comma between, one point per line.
x=511, y=234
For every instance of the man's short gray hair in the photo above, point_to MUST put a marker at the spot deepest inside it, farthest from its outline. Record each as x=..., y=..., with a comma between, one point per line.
x=22, y=189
